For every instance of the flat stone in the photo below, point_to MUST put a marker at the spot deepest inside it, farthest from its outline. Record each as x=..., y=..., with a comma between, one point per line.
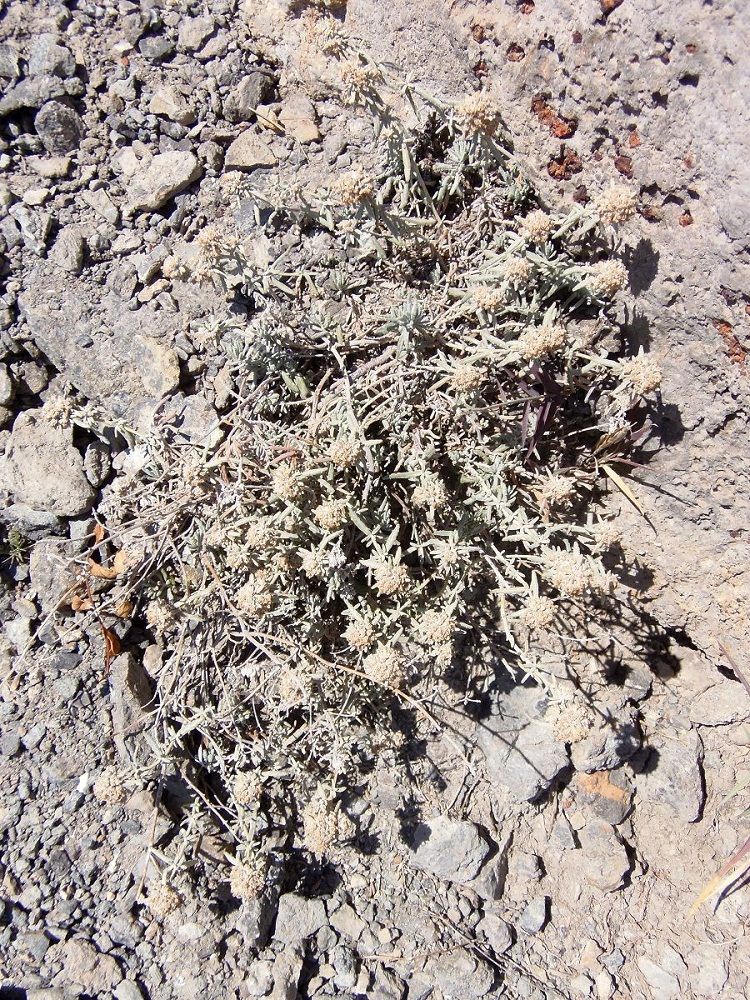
x=665, y=984
x=451, y=849
x=43, y=470
x=51, y=572
x=722, y=704
x=169, y=104
x=672, y=776
x=246, y=95
x=69, y=249
x=610, y=745
x=47, y=56
x=460, y=975
x=521, y=752
x=607, y=795
x=534, y=915
x=249, y=151
x=299, y=119
x=497, y=932
x=100, y=347
x=59, y=127
x=194, y=31
x=49, y=166
x=166, y=175
x=298, y=918
x=603, y=860
x=103, y=205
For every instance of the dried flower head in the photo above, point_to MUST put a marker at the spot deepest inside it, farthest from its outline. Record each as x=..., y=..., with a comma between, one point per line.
x=331, y=38
x=541, y=341
x=360, y=633
x=478, y=114
x=260, y=535
x=555, y=491
x=487, y=298
x=254, y=597
x=641, y=373
x=537, y=613
x=352, y=188
x=571, y=720
x=391, y=578
x=607, y=278
x=162, y=900
x=517, y=271
x=247, y=788
x=435, y=627
x=385, y=666
x=109, y=788
x=324, y=826
x=431, y=493
x=294, y=686
x=607, y=535
x=331, y=514
x=314, y=563
x=345, y=452
x=58, y=411
x=160, y=615
x=573, y=573
x=616, y=205
x=247, y=879
x=466, y=377
x=361, y=81
x=536, y=227
x=285, y=483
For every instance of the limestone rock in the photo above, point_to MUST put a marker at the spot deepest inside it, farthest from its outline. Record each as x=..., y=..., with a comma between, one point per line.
x=672, y=776
x=165, y=176
x=298, y=918
x=42, y=470
x=521, y=752
x=249, y=151
x=169, y=104
x=450, y=849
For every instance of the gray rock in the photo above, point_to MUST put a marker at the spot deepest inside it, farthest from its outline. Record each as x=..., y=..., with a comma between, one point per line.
x=31, y=92
x=168, y=103
x=9, y=61
x=7, y=386
x=298, y=918
x=608, y=795
x=155, y=47
x=103, y=205
x=497, y=932
x=299, y=119
x=451, y=849
x=51, y=572
x=673, y=776
x=258, y=980
x=346, y=921
x=664, y=984
x=534, y=915
x=722, y=704
x=707, y=969
x=346, y=963
x=59, y=127
x=249, y=151
x=99, y=346
x=35, y=227
x=42, y=469
x=47, y=56
x=460, y=974
x=69, y=250
x=256, y=917
x=286, y=972
x=194, y=31
x=610, y=745
x=165, y=176
x=249, y=92
x=131, y=694
x=603, y=860
x=128, y=990
x=520, y=750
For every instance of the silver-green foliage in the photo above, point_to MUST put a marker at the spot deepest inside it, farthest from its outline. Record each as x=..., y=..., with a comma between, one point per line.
x=408, y=468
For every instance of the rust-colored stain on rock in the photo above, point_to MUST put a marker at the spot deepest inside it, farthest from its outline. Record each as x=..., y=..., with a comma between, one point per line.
x=561, y=128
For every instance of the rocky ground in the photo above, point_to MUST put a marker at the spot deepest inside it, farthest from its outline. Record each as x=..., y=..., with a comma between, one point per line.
x=528, y=869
